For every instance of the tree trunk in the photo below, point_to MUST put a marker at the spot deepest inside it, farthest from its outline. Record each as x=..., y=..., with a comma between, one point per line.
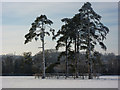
x=43, y=76
x=66, y=60
x=89, y=57
x=76, y=58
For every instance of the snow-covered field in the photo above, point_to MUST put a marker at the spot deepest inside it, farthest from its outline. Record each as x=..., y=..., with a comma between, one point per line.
x=31, y=82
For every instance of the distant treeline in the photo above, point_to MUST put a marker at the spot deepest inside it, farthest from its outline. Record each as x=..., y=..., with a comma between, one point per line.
x=27, y=64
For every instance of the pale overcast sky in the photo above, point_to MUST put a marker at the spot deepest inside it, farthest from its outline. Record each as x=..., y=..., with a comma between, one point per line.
x=17, y=19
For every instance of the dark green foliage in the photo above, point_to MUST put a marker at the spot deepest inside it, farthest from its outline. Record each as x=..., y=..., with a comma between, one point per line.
x=50, y=68
x=36, y=29
x=91, y=21
x=104, y=64
x=27, y=62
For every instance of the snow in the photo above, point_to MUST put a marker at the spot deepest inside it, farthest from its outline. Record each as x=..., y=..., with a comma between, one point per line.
x=31, y=82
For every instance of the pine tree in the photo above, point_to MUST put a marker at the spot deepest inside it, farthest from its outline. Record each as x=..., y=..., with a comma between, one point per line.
x=38, y=31
x=95, y=32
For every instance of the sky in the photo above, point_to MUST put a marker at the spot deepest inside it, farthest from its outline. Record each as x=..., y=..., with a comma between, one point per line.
x=18, y=16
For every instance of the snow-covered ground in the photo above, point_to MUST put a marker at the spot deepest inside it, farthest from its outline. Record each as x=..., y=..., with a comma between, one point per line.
x=31, y=82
